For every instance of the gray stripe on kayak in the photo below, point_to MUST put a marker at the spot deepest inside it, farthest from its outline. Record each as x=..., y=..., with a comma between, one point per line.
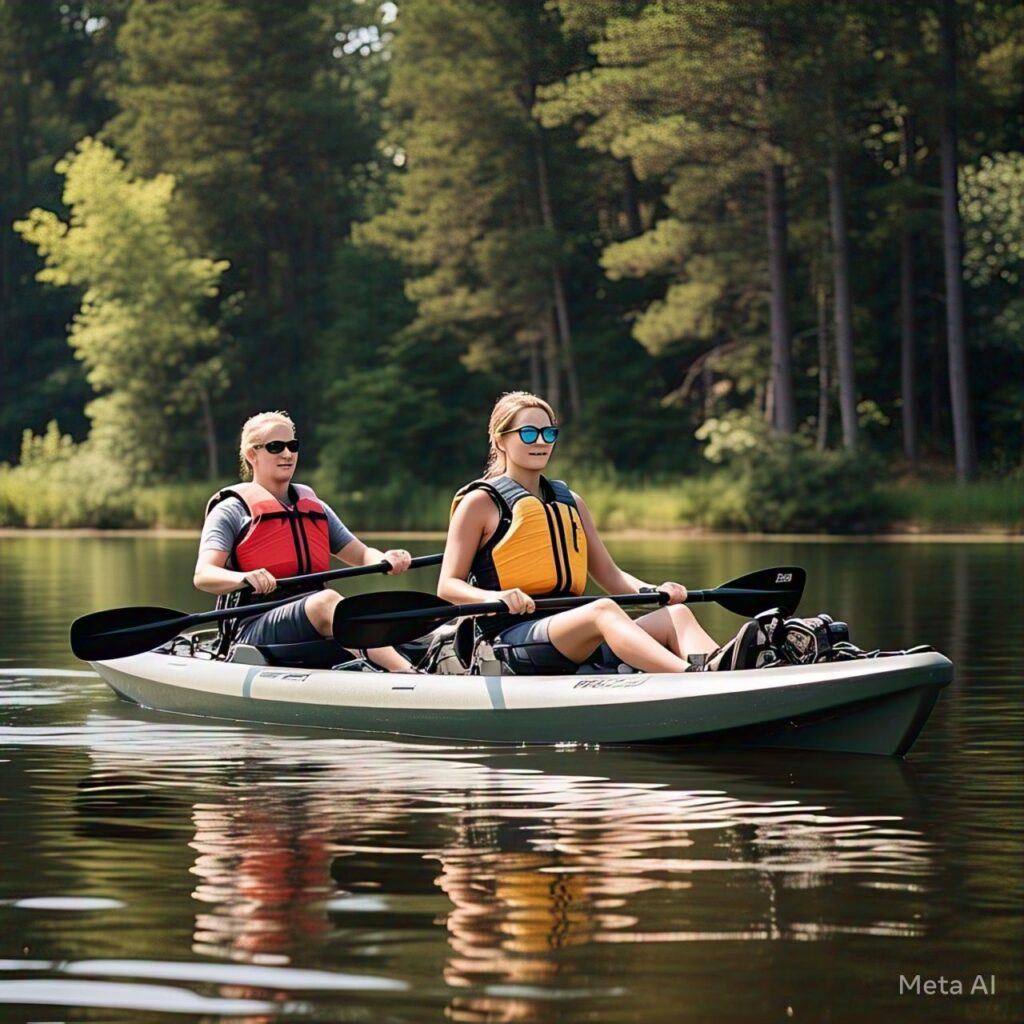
x=495, y=692
x=249, y=677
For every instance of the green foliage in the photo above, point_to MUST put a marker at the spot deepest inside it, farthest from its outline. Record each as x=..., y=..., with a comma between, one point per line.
x=943, y=505
x=472, y=218
x=174, y=506
x=791, y=487
x=149, y=352
x=675, y=93
x=493, y=149
x=48, y=64
x=783, y=484
x=389, y=419
x=262, y=114
x=993, y=215
x=62, y=484
x=394, y=505
x=734, y=435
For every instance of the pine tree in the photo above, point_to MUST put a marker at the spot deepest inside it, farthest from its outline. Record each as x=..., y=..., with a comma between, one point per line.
x=477, y=214
x=686, y=93
x=249, y=110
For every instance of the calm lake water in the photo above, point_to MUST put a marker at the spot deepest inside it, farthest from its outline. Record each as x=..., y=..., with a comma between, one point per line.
x=160, y=868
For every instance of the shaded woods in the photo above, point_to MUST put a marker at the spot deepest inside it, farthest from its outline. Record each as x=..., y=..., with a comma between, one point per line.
x=781, y=240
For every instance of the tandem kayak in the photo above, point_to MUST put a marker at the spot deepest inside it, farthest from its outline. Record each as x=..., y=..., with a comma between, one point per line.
x=867, y=706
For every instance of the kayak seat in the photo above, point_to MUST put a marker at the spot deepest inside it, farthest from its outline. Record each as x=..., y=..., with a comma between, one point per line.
x=246, y=654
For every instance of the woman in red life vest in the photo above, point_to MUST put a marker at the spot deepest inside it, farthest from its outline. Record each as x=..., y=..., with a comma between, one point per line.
x=514, y=536
x=268, y=527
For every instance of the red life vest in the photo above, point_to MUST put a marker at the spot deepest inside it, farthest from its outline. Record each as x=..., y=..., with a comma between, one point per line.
x=284, y=541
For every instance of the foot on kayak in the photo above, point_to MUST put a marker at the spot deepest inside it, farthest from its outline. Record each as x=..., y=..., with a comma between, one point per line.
x=749, y=648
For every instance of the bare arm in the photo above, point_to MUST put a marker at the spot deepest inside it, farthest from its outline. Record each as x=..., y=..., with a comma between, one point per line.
x=355, y=552
x=606, y=573
x=212, y=577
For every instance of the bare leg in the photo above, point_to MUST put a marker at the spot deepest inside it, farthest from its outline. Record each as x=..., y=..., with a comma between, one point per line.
x=577, y=632
x=677, y=629
x=320, y=612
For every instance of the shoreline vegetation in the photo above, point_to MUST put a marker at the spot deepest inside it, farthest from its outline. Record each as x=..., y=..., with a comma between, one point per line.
x=708, y=506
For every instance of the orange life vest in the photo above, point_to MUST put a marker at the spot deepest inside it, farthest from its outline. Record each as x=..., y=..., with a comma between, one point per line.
x=284, y=541
x=539, y=546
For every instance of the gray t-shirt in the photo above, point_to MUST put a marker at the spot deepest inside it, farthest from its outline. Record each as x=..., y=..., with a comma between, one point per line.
x=230, y=519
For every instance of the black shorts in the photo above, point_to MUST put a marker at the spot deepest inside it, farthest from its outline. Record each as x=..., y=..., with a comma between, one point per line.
x=526, y=650
x=288, y=624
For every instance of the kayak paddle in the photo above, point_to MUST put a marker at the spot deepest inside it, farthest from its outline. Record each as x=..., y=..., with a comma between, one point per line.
x=393, y=617
x=121, y=632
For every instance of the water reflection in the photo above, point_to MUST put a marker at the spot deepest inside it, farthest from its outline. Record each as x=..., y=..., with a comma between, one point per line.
x=261, y=865
x=155, y=860
x=516, y=863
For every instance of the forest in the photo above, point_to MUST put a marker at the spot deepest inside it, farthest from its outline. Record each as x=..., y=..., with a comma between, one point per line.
x=764, y=258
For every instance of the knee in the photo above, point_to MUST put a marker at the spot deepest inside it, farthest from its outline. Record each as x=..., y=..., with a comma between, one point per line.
x=324, y=600
x=681, y=615
x=606, y=608
x=320, y=606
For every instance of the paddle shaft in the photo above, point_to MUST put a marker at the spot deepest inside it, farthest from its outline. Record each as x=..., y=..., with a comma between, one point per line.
x=390, y=617
x=451, y=611
x=349, y=572
x=114, y=634
x=561, y=603
x=714, y=593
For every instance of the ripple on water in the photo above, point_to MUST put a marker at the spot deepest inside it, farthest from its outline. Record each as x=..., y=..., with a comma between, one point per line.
x=77, y=903
x=108, y=995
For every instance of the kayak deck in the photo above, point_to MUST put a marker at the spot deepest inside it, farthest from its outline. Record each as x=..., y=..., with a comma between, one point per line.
x=875, y=706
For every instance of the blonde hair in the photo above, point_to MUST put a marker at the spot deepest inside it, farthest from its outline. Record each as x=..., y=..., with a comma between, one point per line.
x=502, y=415
x=254, y=429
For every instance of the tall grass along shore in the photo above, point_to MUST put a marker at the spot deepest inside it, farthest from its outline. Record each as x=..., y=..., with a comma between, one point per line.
x=719, y=501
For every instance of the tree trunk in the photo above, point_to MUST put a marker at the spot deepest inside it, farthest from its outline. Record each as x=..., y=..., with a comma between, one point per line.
x=821, y=440
x=209, y=429
x=908, y=367
x=561, y=306
x=18, y=145
x=707, y=380
x=959, y=382
x=565, y=334
x=783, y=402
x=536, y=381
x=938, y=379
x=843, y=309
x=631, y=200
x=552, y=364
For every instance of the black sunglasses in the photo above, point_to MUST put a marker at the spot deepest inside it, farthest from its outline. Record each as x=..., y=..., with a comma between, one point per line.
x=528, y=435
x=276, y=447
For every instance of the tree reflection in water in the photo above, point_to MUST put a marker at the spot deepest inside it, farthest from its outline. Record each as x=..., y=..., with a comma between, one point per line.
x=360, y=857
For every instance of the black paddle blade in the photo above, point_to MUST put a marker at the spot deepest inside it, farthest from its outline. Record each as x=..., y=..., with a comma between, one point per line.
x=120, y=632
x=356, y=624
x=781, y=586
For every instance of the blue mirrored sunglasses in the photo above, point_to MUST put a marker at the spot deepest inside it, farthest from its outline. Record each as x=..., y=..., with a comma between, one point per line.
x=529, y=435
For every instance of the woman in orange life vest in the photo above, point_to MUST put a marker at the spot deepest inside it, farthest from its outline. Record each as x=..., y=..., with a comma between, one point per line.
x=515, y=535
x=256, y=532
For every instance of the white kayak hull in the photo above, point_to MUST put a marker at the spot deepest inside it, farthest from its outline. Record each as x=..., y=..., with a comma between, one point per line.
x=873, y=706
